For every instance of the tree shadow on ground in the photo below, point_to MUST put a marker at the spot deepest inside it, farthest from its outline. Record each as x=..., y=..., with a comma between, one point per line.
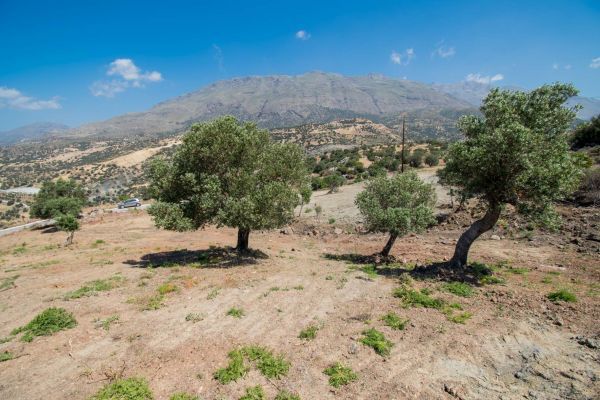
x=214, y=257
x=390, y=266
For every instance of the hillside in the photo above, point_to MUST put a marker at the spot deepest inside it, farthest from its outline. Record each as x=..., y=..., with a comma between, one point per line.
x=31, y=131
x=284, y=101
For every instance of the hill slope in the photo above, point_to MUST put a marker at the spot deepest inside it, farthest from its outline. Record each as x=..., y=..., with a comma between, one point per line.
x=31, y=131
x=283, y=101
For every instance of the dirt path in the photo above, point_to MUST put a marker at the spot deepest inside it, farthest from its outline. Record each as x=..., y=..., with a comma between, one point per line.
x=517, y=344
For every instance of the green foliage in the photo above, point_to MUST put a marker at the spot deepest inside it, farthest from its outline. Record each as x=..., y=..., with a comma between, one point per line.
x=587, y=134
x=106, y=323
x=459, y=288
x=231, y=174
x=309, y=333
x=254, y=393
x=125, y=389
x=376, y=340
x=46, y=323
x=285, y=395
x=518, y=153
x=398, y=205
x=67, y=222
x=58, y=198
x=235, y=312
x=432, y=159
x=167, y=287
x=183, y=396
x=411, y=297
x=154, y=302
x=460, y=318
x=8, y=282
x=394, y=321
x=562, y=295
x=91, y=288
x=6, y=356
x=266, y=362
x=340, y=375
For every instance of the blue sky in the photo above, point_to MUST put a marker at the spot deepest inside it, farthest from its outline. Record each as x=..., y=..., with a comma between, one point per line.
x=80, y=61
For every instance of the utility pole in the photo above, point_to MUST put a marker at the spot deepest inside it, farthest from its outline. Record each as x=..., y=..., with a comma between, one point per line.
x=402, y=164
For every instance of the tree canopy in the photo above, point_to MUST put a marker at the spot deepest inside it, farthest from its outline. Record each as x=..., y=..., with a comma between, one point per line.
x=398, y=205
x=231, y=174
x=61, y=200
x=517, y=153
x=587, y=134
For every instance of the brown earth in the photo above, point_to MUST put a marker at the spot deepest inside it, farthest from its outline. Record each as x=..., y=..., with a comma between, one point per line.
x=517, y=344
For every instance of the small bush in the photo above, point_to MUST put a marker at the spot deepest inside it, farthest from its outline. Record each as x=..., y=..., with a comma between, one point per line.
x=235, y=312
x=394, y=321
x=153, y=302
x=459, y=288
x=459, y=318
x=166, y=288
x=254, y=393
x=266, y=362
x=6, y=356
x=125, y=389
x=376, y=340
x=340, y=375
x=309, y=333
x=46, y=323
x=562, y=295
x=411, y=297
x=285, y=395
x=93, y=287
x=183, y=396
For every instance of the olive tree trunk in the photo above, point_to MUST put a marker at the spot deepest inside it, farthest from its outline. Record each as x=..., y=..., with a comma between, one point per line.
x=479, y=227
x=242, y=239
x=70, y=238
x=388, y=246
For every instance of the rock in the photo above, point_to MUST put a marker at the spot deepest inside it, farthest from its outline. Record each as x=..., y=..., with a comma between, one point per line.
x=495, y=237
x=588, y=342
x=287, y=230
x=337, y=231
x=353, y=348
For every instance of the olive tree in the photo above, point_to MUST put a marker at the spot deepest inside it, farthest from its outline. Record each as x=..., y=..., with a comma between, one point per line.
x=516, y=153
x=230, y=174
x=61, y=200
x=397, y=205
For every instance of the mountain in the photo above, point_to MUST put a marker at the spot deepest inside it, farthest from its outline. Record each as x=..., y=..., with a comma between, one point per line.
x=285, y=101
x=474, y=93
x=31, y=131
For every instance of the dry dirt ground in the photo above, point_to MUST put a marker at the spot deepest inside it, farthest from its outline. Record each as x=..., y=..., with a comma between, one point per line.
x=518, y=344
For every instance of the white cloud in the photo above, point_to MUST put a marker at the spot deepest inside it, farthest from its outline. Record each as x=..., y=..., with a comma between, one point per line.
x=402, y=58
x=558, y=66
x=126, y=74
x=555, y=66
x=443, y=51
x=302, y=35
x=486, y=80
x=219, y=58
x=12, y=98
x=595, y=63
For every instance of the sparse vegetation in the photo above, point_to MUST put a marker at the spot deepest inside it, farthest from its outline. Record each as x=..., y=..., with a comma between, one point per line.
x=235, y=312
x=93, y=287
x=340, y=375
x=459, y=288
x=266, y=362
x=562, y=295
x=394, y=321
x=8, y=283
x=106, y=323
x=46, y=323
x=183, y=396
x=254, y=393
x=309, y=333
x=125, y=389
x=285, y=395
x=6, y=356
x=376, y=340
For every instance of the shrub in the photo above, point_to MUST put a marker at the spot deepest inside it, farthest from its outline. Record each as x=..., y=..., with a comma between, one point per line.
x=309, y=333
x=562, y=295
x=394, y=321
x=125, y=389
x=166, y=288
x=376, y=340
x=6, y=356
x=459, y=288
x=46, y=323
x=254, y=393
x=340, y=375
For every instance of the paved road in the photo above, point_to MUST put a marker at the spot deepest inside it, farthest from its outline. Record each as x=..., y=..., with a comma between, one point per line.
x=120, y=210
